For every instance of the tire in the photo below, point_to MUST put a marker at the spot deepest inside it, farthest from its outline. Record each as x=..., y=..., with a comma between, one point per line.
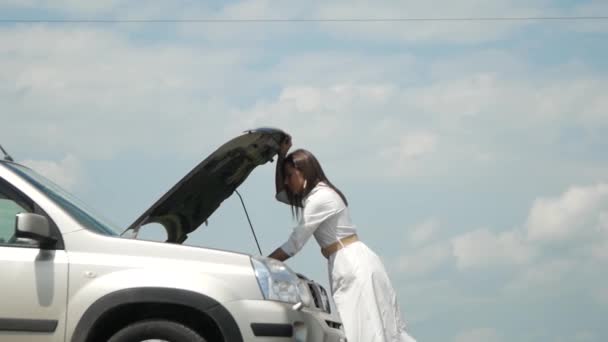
x=156, y=330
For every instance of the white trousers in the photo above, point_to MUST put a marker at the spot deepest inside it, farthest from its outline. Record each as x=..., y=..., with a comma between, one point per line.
x=365, y=298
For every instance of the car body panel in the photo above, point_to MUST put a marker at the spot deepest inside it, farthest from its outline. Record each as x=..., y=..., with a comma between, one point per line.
x=34, y=293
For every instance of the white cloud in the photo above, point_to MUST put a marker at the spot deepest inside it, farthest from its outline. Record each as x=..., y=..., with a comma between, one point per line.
x=482, y=248
x=599, y=248
x=479, y=335
x=95, y=93
x=538, y=270
x=468, y=32
x=585, y=336
x=574, y=214
x=503, y=97
x=422, y=255
x=305, y=99
x=244, y=34
x=105, y=9
x=406, y=154
x=424, y=260
x=461, y=32
x=338, y=98
x=328, y=67
x=63, y=78
x=542, y=277
x=590, y=8
x=469, y=96
x=418, y=129
x=601, y=294
x=100, y=90
x=73, y=6
x=321, y=116
x=67, y=172
x=416, y=145
x=403, y=114
x=261, y=9
x=424, y=250
x=423, y=232
x=602, y=224
x=421, y=298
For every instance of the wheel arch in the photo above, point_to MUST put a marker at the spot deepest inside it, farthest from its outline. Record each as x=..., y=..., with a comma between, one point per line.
x=120, y=308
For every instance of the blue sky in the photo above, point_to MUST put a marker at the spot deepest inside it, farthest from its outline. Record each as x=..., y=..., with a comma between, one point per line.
x=472, y=153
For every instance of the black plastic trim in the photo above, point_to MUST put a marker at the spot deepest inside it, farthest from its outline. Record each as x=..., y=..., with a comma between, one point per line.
x=272, y=330
x=28, y=325
x=200, y=302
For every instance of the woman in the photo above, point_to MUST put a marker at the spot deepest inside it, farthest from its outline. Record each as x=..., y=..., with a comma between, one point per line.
x=360, y=285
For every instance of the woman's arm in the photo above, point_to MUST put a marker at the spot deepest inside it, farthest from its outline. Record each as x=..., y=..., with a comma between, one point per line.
x=279, y=254
x=319, y=208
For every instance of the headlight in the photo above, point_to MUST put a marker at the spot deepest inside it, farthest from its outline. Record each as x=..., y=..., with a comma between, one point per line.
x=279, y=282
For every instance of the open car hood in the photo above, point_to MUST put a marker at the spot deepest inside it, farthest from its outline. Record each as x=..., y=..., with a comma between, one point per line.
x=196, y=196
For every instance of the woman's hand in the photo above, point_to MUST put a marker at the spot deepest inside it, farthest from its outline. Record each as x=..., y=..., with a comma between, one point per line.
x=279, y=254
x=285, y=146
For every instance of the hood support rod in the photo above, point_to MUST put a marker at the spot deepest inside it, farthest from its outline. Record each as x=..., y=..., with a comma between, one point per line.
x=250, y=225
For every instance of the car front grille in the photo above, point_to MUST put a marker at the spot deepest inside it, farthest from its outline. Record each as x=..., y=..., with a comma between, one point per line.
x=320, y=297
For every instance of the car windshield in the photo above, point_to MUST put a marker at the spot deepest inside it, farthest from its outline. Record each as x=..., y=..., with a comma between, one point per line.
x=73, y=206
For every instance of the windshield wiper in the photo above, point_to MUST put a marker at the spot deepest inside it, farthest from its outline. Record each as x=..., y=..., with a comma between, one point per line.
x=7, y=157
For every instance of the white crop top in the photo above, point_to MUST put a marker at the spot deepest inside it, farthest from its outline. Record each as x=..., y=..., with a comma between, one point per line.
x=324, y=215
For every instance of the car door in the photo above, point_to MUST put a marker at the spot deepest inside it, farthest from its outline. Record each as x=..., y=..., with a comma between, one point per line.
x=33, y=281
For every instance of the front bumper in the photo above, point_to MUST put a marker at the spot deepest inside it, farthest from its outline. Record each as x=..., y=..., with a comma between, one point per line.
x=265, y=320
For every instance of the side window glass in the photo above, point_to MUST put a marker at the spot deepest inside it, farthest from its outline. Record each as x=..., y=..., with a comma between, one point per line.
x=9, y=208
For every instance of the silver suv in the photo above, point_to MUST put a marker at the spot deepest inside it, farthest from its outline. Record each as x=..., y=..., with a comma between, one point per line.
x=68, y=276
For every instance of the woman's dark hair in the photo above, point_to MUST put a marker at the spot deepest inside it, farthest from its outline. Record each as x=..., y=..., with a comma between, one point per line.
x=311, y=170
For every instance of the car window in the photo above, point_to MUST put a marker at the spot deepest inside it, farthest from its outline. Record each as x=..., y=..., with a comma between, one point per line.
x=74, y=207
x=9, y=208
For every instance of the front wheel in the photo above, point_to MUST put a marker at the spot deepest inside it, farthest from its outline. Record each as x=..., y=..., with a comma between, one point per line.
x=156, y=330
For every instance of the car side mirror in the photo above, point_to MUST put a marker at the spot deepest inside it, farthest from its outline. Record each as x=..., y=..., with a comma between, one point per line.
x=35, y=227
